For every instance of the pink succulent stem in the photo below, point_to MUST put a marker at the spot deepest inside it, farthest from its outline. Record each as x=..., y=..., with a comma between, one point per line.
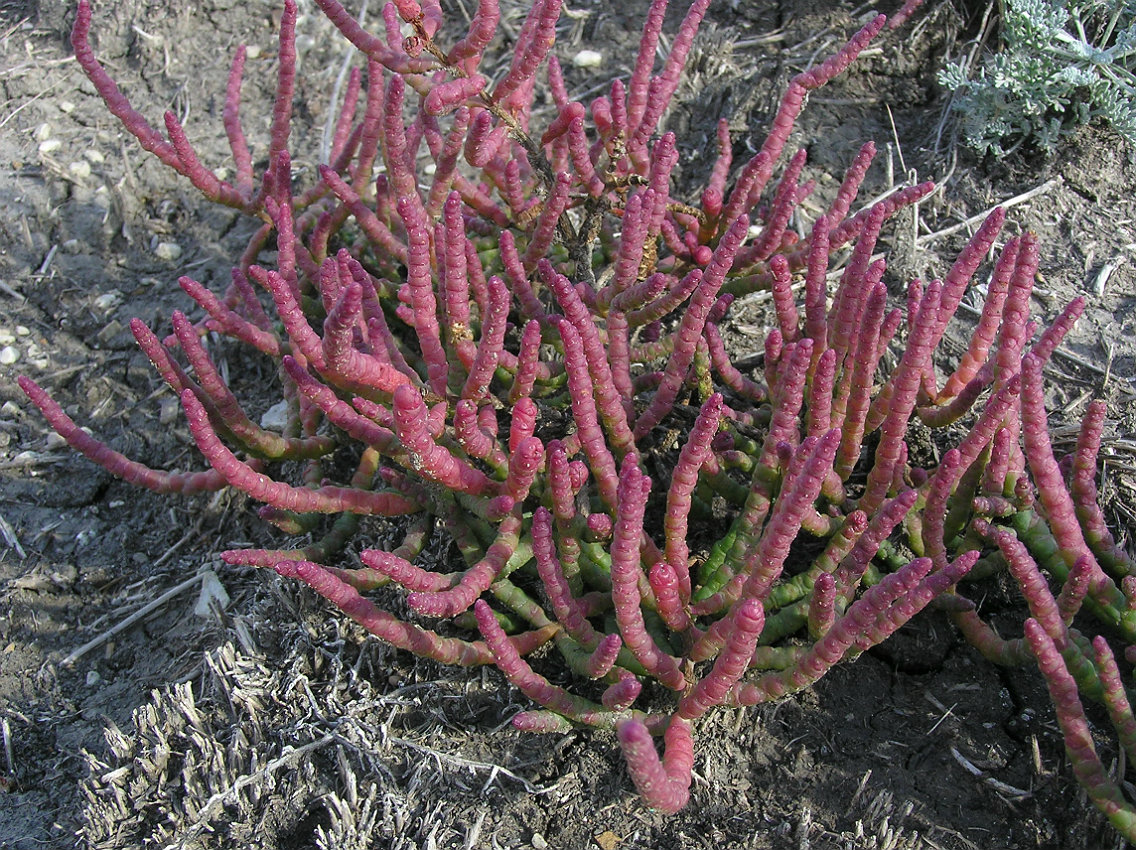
x=854, y=565
x=545, y=231
x=784, y=202
x=906, y=380
x=1052, y=336
x=958, y=278
x=620, y=695
x=340, y=358
x=328, y=499
x=747, y=621
x=603, y=659
x=626, y=574
x=1083, y=489
x=468, y=51
x=1054, y=496
x=535, y=40
x=228, y=410
x=378, y=232
x=668, y=597
x=783, y=300
x=420, y=281
x=691, y=327
x=492, y=342
x=822, y=605
x=608, y=401
x=115, y=463
x=474, y=581
x=985, y=333
x=850, y=186
x=854, y=412
x=201, y=177
x=684, y=478
x=1015, y=313
x=528, y=681
x=524, y=379
x=381, y=624
x=426, y=456
x=726, y=370
x=339, y=412
x=404, y=573
x=567, y=609
x=231, y=117
x=580, y=388
x=1074, y=590
x=663, y=783
x=934, y=512
x=228, y=322
x=1079, y=747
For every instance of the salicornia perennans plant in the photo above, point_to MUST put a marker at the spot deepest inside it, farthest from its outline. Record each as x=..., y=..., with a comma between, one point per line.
x=511, y=344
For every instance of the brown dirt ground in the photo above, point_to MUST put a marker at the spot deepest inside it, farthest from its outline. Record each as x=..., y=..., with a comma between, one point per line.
x=271, y=723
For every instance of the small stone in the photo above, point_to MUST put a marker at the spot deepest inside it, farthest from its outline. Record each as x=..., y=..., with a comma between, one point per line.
x=66, y=107
x=80, y=169
x=252, y=52
x=588, y=59
x=6, y=337
x=9, y=410
x=168, y=251
x=21, y=330
x=108, y=300
x=9, y=354
x=94, y=157
x=113, y=328
x=71, y=246
x=93, y=678
x=608, y=840
x=539, y=842
x=54, y=441
x=42, y=132
x=276, y=417
x=50, y=145
x=168, y=411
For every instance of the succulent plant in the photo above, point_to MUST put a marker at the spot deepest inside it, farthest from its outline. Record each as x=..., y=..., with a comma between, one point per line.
x=521, y=347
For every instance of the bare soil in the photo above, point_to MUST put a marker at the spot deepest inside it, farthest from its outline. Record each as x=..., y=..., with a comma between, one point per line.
x=268, y=722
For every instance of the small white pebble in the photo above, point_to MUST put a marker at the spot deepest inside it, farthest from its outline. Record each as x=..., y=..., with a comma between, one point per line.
x=169, y=251
x=108, y=300
x=539, y=842
x=66, y=107
x=22, y=330
x=50, y=145
x=93, y=678
x=9, y=354
x=93, y=156
x=276, y=417
x=9, y=409
x=80, y=169
x=54, y=441
x=42, y=132
x=6, y=337
x=252, y=52
x=588, y=59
